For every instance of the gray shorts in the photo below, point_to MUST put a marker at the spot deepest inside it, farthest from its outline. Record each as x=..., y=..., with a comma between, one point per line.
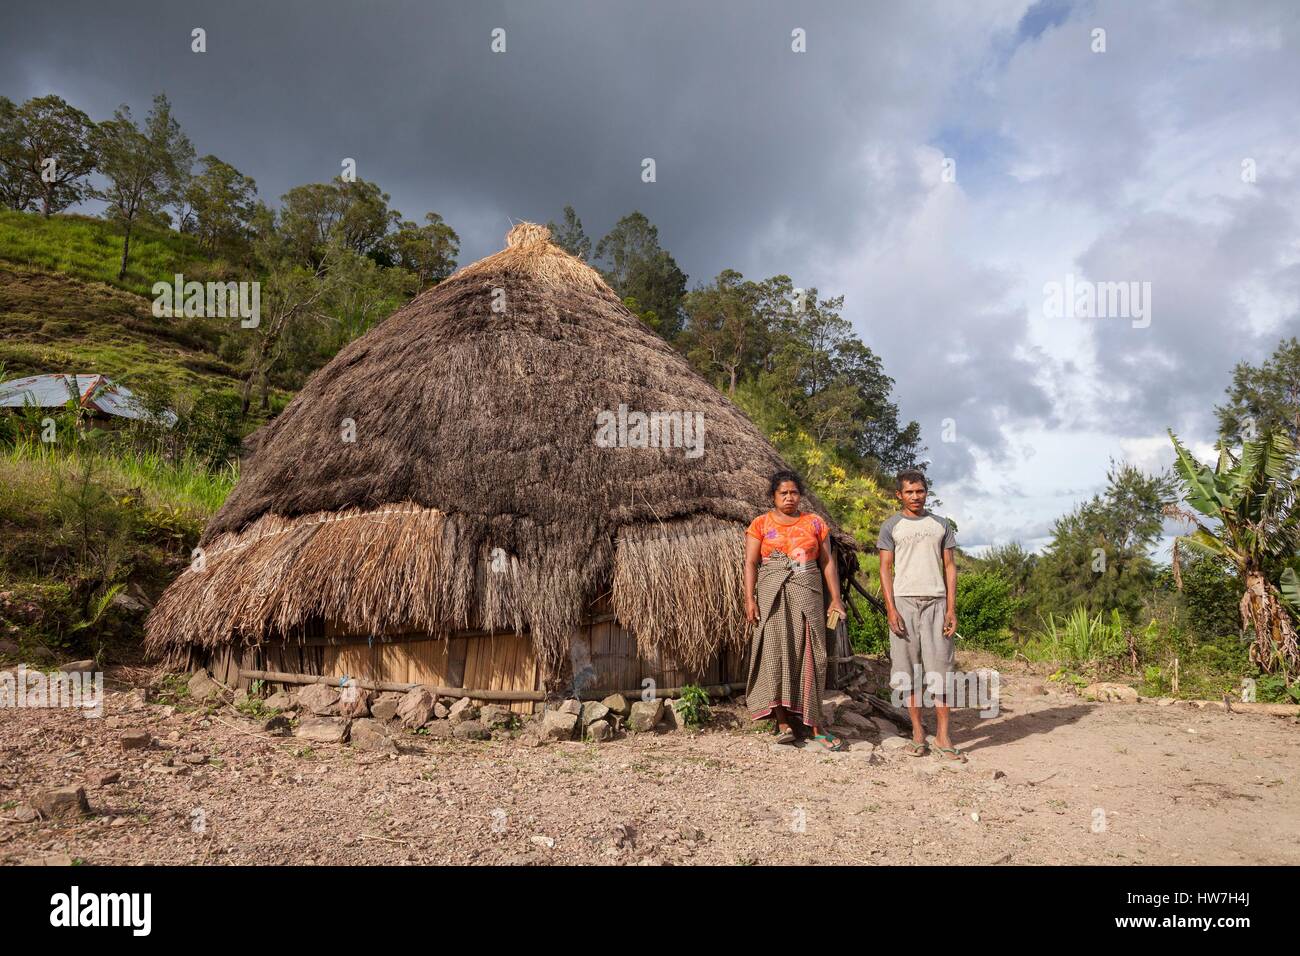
x=924, y=658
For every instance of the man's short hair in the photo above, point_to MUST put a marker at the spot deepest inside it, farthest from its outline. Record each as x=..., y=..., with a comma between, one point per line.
x=914, y=475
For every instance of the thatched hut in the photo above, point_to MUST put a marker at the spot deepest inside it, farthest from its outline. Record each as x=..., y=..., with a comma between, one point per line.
x=438, y=506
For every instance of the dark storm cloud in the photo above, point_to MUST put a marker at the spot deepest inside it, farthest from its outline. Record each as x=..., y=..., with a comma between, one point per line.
x=767, y=161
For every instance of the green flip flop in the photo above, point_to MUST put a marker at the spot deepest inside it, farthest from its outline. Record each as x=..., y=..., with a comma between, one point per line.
x=829, y=741
x=958, y=756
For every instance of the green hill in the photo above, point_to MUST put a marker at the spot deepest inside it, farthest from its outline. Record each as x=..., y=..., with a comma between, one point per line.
x=91, y=249
x=81, y=517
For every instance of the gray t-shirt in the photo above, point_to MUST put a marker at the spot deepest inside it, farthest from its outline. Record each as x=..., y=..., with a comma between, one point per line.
x=918, y=545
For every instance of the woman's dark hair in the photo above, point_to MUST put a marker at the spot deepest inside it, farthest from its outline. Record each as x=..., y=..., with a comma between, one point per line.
x=780, y=478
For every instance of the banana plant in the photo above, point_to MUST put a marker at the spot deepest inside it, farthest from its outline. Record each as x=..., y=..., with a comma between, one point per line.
x=1246, y=511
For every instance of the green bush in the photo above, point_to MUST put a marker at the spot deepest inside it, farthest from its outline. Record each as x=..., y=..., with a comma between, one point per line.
x=985, y=609
x=872, y=636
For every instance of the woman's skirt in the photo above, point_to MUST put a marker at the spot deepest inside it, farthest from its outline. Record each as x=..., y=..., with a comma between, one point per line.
x=787, y=657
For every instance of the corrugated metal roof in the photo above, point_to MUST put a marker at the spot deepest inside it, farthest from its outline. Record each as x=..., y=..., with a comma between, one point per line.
x=95, y=392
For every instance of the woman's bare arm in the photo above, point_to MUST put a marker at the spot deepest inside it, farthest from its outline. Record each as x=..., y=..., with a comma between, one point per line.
x=752, y=549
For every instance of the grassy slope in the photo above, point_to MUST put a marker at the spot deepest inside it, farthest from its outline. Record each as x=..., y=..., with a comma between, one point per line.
x=63, y=310
x=91, y=249
x=59, y=312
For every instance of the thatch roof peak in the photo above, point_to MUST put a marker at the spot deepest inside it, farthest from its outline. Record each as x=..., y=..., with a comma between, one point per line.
x=530, y=254
x=525, y=232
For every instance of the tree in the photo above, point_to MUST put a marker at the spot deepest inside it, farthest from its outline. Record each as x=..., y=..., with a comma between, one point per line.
x=428, y=252
x=570, y=236
x=635, y=266
x=354, y=213
x=1265, y=397
x=15, y=189
x=839, y=386
x=1246, y=512
x=146, y=169
x=1099, y=556
x=45, y=153
x=725, y=333
x=221, y=206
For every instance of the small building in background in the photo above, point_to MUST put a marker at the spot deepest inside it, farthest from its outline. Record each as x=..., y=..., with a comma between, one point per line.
x=97, y=395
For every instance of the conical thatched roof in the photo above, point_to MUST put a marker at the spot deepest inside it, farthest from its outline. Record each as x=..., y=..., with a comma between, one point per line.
x=475, y=419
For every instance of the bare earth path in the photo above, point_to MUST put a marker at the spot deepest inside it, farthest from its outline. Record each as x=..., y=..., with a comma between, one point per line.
x=1081, y=783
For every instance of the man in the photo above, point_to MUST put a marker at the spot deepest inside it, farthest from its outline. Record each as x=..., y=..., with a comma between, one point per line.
x=918, y=576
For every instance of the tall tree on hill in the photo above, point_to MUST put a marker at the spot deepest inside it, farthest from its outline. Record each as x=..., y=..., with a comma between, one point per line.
x=569, y=236
x=15, y=189
x=633, y=263
x=146, y=169
x=428, y=252
x=1264, y=397
x=355, y=213
x=221, y=204
x=724, y=335
x=839, y=386
x=45, y=154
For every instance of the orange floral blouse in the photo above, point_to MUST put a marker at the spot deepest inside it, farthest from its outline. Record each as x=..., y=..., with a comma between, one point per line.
x=800, y=542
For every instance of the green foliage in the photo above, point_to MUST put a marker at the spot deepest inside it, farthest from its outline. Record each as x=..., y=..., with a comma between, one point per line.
x=43, y=129
x=1273, y=689
x=221, y=207
x=1079, y=640
x=814, y=374
x=570, y=236
x=693, y=705
x=1246, y=514
x=635, y=265
x=1264, y=397
x=144, y=169
x=1098, y=558
x=985, y=609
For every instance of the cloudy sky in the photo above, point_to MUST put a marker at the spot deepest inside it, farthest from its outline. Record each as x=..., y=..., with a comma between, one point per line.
x=944, y=166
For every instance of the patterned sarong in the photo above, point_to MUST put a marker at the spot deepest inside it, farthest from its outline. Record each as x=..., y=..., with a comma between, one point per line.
x=787, y=658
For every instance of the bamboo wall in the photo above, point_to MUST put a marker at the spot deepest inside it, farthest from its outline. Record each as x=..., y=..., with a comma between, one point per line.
x=603, y=656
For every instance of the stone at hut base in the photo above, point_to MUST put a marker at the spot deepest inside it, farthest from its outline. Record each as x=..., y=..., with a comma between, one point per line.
x=462, y=710
x=558, y=725
x=416, y=708
x=319, y=699
x=280, y=700
x=370, y=734
x=277, y=726
x=355, y=702
x=325, y=730
x=470, y=730
x=385, y=708
x=645, y=714
x=593, y=711
x=201, y=686
x=618, y=704
x=598, y=731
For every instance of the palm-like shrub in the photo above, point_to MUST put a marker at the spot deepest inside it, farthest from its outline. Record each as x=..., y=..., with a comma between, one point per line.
x=1245, y=512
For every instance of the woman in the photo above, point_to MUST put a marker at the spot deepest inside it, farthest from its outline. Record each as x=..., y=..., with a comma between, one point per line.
x=784, y=598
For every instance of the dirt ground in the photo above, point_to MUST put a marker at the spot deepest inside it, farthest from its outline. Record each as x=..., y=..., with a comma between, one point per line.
x=1051, y=779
